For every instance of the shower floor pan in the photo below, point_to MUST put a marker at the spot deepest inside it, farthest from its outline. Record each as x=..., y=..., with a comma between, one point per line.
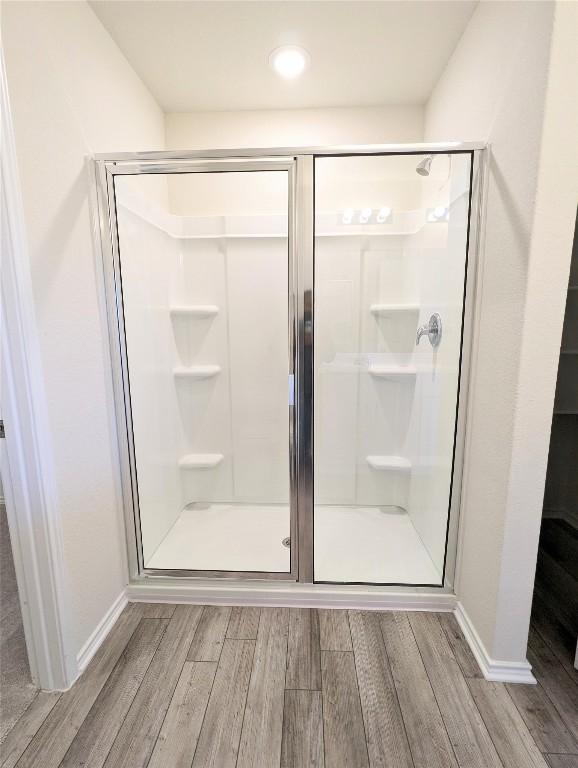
x=352, y=544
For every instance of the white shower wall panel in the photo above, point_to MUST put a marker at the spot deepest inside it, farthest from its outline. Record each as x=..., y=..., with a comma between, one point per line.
x=148, y=260
x=437, y=254
x=258, y=296
x=242, y=412
x=357, y=414
x=337, y=289
x=385, y=403
x=200, y=279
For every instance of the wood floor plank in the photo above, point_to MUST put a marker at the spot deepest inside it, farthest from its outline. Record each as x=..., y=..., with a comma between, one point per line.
x=562, y=761
x=136, y=738
x=560, y=540
x=177, y=741
x=263, y=722
x=511, y=737
x=157, y=610
x=542, y=719
x=404, y=694
x=344, y=734
x=472, y=744
x=427, y=736
x=459, y=646
x=303, y=650
x=55, y=735
x=560, y=687
x=559, y=588
x=210, y=634
x=95, y=737
x=561, y=642
x=302, y=743
x=218, y=743
x=334, y=634
x=244, y=623
x=385, y=734
x=25, y=728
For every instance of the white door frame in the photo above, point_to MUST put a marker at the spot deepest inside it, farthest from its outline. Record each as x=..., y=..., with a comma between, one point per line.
x=26, y=456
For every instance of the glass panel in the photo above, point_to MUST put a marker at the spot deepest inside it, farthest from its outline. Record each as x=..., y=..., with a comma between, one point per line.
x=205, y=285
x=390, y=257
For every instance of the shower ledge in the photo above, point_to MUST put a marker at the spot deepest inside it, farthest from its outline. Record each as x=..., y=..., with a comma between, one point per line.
x=194, y=310
x=391, y=371
x=387, y=310
x=200, y=460
x=395, y=463
x=196, y=371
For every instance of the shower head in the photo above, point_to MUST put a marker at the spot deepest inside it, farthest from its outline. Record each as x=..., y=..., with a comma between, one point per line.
x=424, y=165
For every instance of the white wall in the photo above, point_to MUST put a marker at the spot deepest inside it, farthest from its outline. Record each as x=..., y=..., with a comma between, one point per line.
x=294, y=127
x=494, y=88
x=73, y=93
x=277, y=128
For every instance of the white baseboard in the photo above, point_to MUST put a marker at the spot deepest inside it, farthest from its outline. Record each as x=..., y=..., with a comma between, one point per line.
x=307, y=596
x=101, y=631
x=291, y=595
x=492, y=669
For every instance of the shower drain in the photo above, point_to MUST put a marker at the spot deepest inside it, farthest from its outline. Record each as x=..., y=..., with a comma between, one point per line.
x=286, y=541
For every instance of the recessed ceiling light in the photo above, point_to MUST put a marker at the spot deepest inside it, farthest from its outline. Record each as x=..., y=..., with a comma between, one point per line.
x=289, y=61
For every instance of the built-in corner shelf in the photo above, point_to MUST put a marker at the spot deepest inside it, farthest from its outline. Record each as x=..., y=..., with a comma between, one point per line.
x=389, y=463
x=393, y=310
x=200, y=460
x=196, y=371
x=392, y=372
x=194, y=310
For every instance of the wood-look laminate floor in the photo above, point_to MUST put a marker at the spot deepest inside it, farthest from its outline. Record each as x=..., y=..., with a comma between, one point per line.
x=16, y=687
x=192, y=686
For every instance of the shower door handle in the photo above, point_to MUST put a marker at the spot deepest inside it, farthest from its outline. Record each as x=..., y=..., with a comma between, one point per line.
x=432, y=329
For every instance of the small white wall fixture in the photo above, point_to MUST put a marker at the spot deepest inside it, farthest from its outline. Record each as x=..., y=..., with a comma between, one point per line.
x=27, y=471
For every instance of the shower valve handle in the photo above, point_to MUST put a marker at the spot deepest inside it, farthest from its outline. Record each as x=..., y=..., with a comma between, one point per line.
x=432, y=329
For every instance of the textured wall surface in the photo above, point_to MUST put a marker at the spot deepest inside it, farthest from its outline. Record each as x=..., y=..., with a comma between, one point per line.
x=495, y=89
x=86, y=98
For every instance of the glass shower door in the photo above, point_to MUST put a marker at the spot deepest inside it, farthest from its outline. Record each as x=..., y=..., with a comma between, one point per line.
x=204, y=272
x=391, y=242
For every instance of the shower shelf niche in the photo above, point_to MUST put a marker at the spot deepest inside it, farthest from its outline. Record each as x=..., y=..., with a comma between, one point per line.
x=391, y=371
x=393, y=310
x=390, y=463
x=196, y=371
x=200, y=460
x=197, y=310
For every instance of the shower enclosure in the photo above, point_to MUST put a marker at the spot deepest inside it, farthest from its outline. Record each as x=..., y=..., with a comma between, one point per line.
x=289, y=333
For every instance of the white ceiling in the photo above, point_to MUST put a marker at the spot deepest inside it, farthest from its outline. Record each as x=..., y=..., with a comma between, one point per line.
x=214, y=55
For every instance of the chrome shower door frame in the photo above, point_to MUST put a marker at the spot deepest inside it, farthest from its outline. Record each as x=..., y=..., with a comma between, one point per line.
x=105, y=172
x=299, y=162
